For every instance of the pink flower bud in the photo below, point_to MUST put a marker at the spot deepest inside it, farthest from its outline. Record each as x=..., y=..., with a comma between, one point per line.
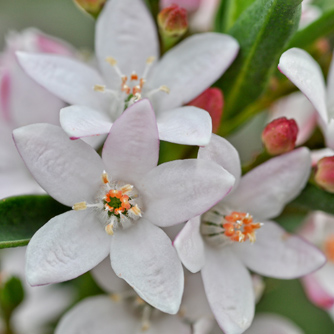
x=189, y=5
x=279, y=136
x=324, y=175
x=173, y=21
x=212, y=101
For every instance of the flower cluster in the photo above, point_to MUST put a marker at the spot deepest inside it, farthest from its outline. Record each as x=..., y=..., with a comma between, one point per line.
x=177, y=241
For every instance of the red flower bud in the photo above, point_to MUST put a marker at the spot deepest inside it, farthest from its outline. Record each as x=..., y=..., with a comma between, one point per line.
x=324, y=175
x=279, y=136
x=212, y=101
x=173, y=21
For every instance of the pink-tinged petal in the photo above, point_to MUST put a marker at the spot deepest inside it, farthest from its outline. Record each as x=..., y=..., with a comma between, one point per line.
x=98, y=315
x=316, y=293
x=186, y=125
x=264, y=191
x=66, y=247
x=106, y=278
x=167, y=324
x=190, y=246
x=132, y=147
x=82, y=121
x=302, y=70
x=144, y=257
x=191, y=67
x=325, y=277
x=298, y=107
x=224, y=154
x=125, y=31
x=179, y=190
x=5, y=94
x=69, y=79
x=328, y=131
x=189, y=5
x=330, y=89
x=70, y=171
x=273, y=324
x=228, y=286
x=316, y=155
x=276, y=253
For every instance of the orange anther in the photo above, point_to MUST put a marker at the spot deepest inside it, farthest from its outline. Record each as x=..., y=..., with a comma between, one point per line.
x=329, y=248
x=134, y=76
x=136, y=89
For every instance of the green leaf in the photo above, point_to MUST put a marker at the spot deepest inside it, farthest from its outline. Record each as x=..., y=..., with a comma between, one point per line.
x=22, y=216
x=228, y=12
x=322, y=27
x=11, y=295
x=313, y=198
x=263, y=31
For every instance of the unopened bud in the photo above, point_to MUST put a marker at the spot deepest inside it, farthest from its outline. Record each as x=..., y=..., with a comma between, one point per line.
x=173, y=21
x=92, y=7
x=280, y=135
x=324, y=175
x=189, y=5
x=212, y=101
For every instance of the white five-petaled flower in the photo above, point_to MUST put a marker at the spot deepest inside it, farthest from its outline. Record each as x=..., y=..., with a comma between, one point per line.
x=302, y=70
x=231, y=236
x=126, y=45
x=117, y=213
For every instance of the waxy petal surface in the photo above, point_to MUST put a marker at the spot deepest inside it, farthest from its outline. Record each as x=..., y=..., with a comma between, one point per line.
x=264, y=191
x=180, y=190
x=224, y=154
x=82, y=121
x=276, y=253
x=70, y=80
x=306, y=74
x=186, y=125
x=228, y=286
x=132, y=147
x=144, y=257
x=98, y=315
x=125, y=31
x=330, y=90
x=191, y=67
x=70, y=171
x=190, y=246
x=66, y=247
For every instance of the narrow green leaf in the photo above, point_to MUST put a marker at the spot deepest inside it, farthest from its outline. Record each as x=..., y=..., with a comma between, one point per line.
x=228, y=12
x=263, y=31
x=22, y=216
x=313, y=198
x=322, y=27
x=11, y=295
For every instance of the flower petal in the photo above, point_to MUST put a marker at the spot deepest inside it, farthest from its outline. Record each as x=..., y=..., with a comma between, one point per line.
x=276, y=253
x=191, y=67
x=153, y=269
x=131, y=43
x=186, y=125
x=224, y=154
x=106, y=278
x=179, y=190
x=264, y=191
x=273, y=323
x=82, y=121
x=132, y=147
x=70, y=171
x=228, y=286
x=98, y=315
x=190, y=246
x=66, y=247
x=69, y=79
x=306, y=74
x=330, y=89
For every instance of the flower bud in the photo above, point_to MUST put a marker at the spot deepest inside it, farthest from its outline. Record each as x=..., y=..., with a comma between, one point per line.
x=324, y=175
x=189, y=5
x=280, y=135
x=92, y=7
x=173, y=21
x=212, y=101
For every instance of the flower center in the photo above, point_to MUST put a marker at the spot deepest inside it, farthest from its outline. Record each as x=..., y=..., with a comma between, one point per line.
x=131, y=87
x=117, y=204
x=220, y=229
x=329, y=248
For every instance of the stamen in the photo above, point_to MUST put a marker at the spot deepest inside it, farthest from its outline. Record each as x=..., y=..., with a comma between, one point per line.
x=145, y=319
x=100, y=88
x=79, y=206
x=135, y=211
x=105, y=177
x=109, y=229
x=329, y=248
x=113, y=62
x=134, y=76
x=149, y=62
x=163, y=88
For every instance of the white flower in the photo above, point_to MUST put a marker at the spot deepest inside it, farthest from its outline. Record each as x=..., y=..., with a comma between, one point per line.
x=126, y=45
x=22, y=102
x=235, y=234
x=128, y=204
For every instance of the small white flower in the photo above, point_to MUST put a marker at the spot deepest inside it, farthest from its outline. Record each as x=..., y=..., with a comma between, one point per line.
x=118, y=201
